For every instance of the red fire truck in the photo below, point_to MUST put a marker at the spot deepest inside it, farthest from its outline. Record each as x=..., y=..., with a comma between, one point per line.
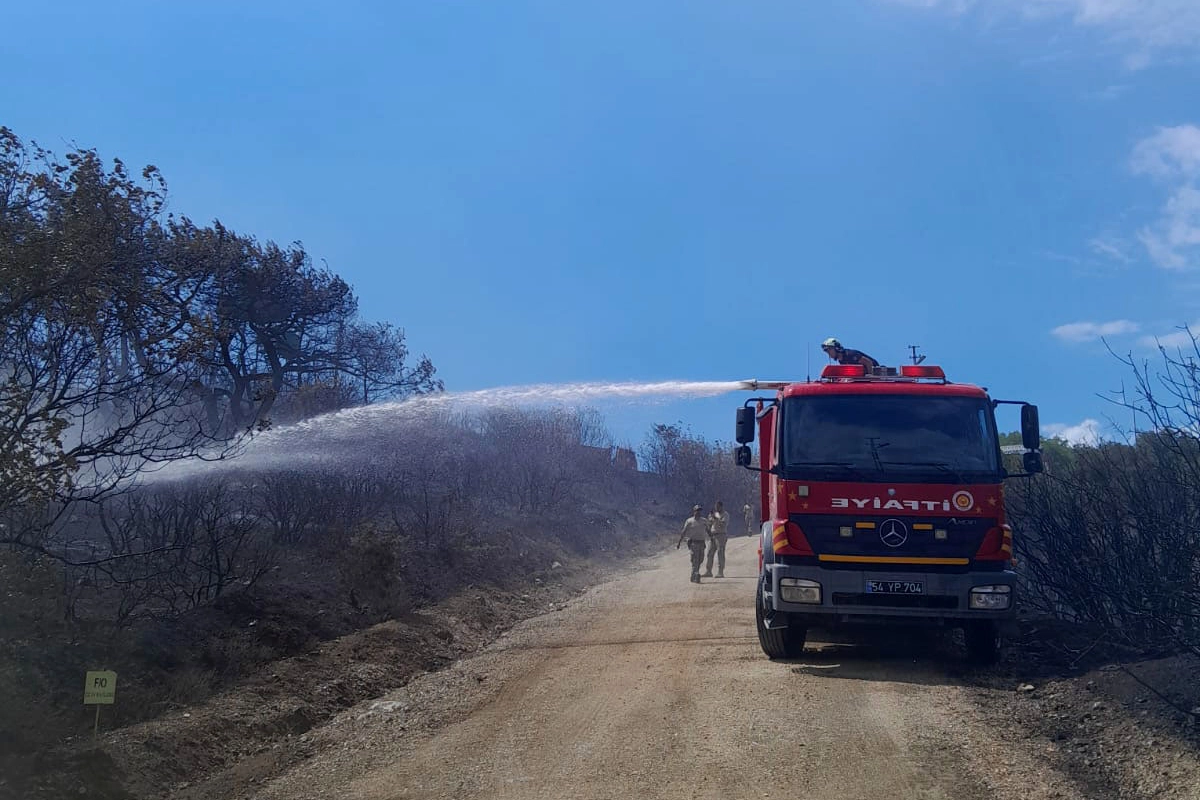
x=882, y=502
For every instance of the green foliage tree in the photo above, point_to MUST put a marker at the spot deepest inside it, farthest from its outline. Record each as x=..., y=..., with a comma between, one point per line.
x=1057, y=453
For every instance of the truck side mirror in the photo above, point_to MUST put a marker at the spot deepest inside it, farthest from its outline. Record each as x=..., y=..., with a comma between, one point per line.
x=1032, y=461
x=745, y=425
x=743, y=456
x=1031, y=432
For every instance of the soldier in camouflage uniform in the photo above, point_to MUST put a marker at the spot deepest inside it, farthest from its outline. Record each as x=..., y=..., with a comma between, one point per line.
x=718, y=535
x=695, y=531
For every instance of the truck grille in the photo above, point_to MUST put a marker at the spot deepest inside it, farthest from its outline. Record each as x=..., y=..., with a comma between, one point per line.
x=895, y=600
x=964, y=535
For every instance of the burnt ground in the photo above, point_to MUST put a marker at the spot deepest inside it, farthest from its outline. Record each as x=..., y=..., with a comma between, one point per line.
x=253, y=730
x=224, y=690
x=1125, y=723
x=1065, y=712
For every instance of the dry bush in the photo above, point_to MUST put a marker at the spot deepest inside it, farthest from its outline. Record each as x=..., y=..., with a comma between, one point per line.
x=178, y=548
x=535, y=456
x=368, y=570
x=188, y=686
x=695, y=470
x=436, y=484
x=289, y=502
x=174, y=584
x=1111, y=536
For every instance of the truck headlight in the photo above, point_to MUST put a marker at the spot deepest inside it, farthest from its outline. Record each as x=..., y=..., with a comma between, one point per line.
x=996, y=597
x=798, y=590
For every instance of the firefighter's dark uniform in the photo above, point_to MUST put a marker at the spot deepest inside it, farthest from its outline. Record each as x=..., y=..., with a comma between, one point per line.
x=849, y=356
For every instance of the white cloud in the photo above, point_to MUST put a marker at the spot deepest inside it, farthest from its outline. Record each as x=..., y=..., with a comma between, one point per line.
x=1152, y=24
x=953, y=6
x=1086, y=432
x=1110, y=247
x=1171, y=153
x=1143, y=26
x=1159, y=251
x=1171, y=341
x=1171, y=240
x=1091, y=331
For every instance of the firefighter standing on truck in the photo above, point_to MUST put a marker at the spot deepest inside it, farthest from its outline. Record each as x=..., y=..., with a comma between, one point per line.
x=695, y=531
x=718, y=535
x=833, y=348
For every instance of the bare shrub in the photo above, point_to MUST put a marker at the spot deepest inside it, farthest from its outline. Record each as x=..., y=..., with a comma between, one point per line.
x=369, y=573
x=695, y=470
x=347, y=500
x=188, y=686
x=290, y=502
x=535, y=455
x=436, y=484
x=178, y=548
x=1111, y=537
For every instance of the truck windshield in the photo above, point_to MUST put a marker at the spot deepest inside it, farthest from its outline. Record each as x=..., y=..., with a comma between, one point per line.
x=890, y=438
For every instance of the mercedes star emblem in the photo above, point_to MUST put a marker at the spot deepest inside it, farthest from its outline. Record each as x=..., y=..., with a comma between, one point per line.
x=893, y=532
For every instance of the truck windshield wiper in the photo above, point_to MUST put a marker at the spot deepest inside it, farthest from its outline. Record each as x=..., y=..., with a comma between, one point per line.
x=941, y=466
x=838, y=464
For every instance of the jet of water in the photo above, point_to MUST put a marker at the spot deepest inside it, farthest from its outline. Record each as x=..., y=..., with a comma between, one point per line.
x=329, y=437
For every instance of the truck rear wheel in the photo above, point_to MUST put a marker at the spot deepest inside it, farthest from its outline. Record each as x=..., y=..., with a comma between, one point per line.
x=777, y=642
x=983, y=643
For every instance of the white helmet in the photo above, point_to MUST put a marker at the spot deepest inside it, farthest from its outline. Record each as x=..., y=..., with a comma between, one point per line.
x=831, y=342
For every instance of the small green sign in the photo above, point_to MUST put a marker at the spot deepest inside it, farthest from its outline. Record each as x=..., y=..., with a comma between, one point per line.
x=100, y=688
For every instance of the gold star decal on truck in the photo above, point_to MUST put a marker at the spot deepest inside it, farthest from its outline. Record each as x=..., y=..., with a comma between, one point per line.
x=791, y=495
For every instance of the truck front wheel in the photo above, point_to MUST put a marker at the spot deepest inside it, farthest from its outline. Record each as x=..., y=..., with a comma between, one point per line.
x=983, y=643
x=777, y=642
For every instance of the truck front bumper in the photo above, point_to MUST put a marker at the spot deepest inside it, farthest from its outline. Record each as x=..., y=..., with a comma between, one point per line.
x=846, y=597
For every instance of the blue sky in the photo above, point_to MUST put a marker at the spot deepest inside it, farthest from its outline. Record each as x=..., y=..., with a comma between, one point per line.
x=546, y=191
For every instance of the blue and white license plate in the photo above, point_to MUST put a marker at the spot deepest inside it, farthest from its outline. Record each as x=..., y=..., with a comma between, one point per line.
x=895, y=587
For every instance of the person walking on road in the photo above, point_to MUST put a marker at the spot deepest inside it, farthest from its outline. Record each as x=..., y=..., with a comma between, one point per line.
x=749, y=514
x=718, y=535
x=695, y=531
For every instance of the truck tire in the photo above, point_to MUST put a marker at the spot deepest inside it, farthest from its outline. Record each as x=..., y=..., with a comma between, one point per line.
x=983, y=643
x=777, y=642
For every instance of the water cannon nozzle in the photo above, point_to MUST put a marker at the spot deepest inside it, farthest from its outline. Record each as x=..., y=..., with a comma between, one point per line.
x=754, y=384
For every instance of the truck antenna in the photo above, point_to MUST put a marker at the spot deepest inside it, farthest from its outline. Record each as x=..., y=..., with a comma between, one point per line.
x=808, y=366
x=916, y=359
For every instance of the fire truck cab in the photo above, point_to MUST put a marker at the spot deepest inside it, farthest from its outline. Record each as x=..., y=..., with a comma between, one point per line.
x=882, y=502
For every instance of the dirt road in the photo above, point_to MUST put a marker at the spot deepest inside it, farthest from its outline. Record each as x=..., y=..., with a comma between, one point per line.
x=651, y=686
